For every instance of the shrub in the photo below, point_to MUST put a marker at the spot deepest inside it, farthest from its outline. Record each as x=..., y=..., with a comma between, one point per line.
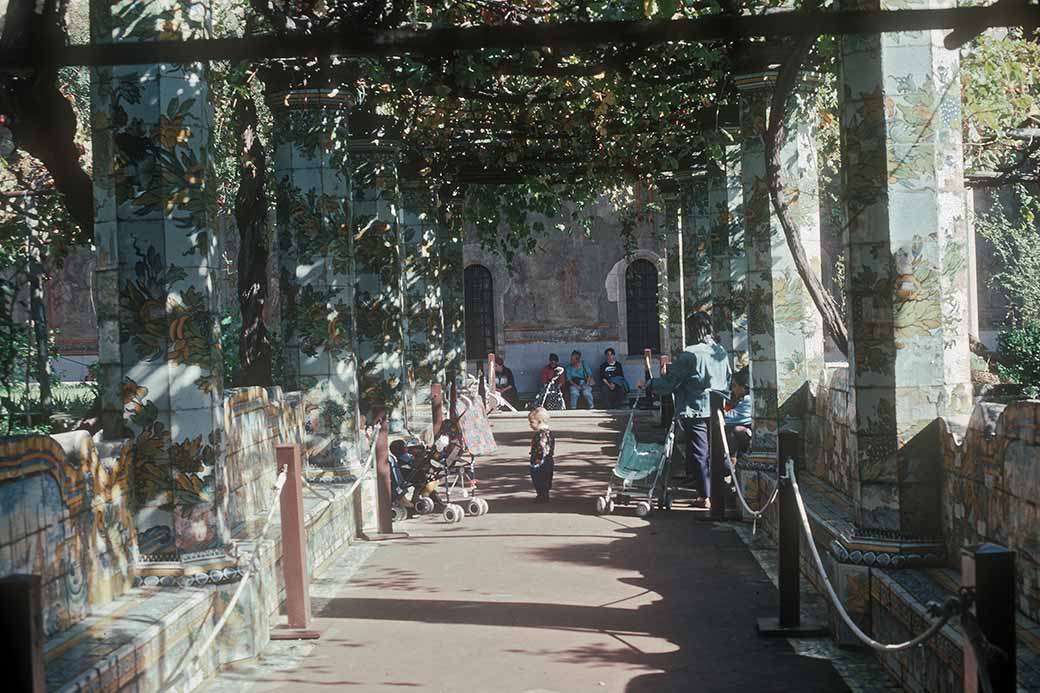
x=1019, y=349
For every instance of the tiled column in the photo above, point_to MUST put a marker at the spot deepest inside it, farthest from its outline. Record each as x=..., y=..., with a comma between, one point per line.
x=728, y=259
x=379, y=300
x=424, y=333
x=696, y=243
x=908, y=277
x=453, y=292
x=158, y=264
x=672, y=309
x=785, y=331
x=312, y=185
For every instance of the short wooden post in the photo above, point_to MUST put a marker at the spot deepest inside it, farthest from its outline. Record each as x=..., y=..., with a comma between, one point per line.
x=295, y=569
x=384, y=496
x=492, y=401
x=667, y=401
x=21, y=612
x=437, y=405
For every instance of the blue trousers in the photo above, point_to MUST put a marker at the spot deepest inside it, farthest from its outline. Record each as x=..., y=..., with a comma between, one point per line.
x=542, y=476
x=585, y=391
x=698, y=453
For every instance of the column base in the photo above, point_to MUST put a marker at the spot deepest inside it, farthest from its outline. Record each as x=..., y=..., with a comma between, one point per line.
x=769, y=626
x=217, y=570
x=287, y=633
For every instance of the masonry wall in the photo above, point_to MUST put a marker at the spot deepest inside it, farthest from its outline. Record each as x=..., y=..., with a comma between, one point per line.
x=568, y=295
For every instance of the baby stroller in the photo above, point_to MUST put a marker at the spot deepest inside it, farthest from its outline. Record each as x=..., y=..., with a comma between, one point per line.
x=550, y=395
x=450, y=466
x=640, y=474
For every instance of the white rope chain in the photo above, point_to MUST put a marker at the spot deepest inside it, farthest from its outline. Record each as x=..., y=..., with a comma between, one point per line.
x=866, y=639
x=755, y=514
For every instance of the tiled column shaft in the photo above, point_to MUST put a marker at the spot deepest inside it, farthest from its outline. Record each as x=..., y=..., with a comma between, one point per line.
x=453, y=293
x=785, y=332
x=908, y=277
x=379, y=300
x=728, y=258
x=316, y=273
x=696, y=244
x=158, y=266
x=672, y=309
x=424, y=364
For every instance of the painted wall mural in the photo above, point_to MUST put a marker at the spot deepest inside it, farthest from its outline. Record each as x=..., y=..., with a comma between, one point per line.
x=672, y=304
x=728, y=257
x=450, y=243
x=907, y=250
x=316, y=274
x=66, y=513
x=158, y=265
x=696, y=243
x=379, y=296
x=424, y=331
x=785, y=332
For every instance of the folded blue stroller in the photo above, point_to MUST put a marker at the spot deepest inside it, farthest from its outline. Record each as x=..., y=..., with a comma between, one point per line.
x=640, y=474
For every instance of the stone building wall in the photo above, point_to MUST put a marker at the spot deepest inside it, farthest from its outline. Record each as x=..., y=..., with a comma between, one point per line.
x=568, y=295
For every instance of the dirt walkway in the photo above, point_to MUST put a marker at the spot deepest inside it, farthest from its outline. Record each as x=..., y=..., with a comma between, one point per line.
x=551, y=597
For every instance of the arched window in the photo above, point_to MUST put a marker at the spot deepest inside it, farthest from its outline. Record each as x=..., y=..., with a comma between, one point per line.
x=644, y=330
x=480, y=312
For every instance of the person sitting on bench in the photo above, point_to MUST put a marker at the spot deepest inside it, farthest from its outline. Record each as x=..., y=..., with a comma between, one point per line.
x=738, y=415
x=612, y=375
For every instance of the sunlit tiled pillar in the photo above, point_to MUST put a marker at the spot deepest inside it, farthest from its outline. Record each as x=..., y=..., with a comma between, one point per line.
x=158, y=263
x=671, y=309
x=696, y=243
x=908, y=279
x=728, y=258
x=785, y=332
x=379, y=301
x=312, y=188
x=424, y=330
x=453, y=293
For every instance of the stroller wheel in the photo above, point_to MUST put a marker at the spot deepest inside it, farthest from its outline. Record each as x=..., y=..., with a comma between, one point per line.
x=484, y=504
x=400, y=514
x=610, y=506
x=424, y=506
x=643, y=509
x=474, y=507
x=601, y=505
x=452, y=513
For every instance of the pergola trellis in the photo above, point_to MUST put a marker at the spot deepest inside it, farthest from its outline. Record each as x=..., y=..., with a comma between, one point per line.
x=370, y=308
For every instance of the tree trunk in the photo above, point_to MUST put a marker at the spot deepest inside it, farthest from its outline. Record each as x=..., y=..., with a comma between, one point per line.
x=833, y=322
x=254, y=346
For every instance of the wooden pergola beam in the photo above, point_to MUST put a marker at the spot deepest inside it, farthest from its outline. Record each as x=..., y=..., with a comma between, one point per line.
x=350, y=41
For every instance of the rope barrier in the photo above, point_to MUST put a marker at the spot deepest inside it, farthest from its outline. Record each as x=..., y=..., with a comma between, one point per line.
x=250, y=569
x=755, y=514
x=950, y=608
x=367, y=468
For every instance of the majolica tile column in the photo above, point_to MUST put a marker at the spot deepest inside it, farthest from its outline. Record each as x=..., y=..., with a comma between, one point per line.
x=379, y=300
x=314, y=253
x=728, y=257
x=696, y=243
x=424, y=330
x=453, y=290
x=785, y=332
x=672, y=309
x=158, y=263
x=908, y=279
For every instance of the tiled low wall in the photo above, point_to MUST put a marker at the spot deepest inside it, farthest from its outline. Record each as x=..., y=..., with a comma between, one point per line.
x=991, y=489
x=64, y=516
x=827, y=440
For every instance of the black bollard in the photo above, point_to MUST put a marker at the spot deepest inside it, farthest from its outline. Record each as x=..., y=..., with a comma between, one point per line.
x=789, y=623
x=989, y=570
x=21, y=610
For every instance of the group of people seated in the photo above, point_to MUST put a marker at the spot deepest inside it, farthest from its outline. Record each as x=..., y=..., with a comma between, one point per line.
x=576, y=380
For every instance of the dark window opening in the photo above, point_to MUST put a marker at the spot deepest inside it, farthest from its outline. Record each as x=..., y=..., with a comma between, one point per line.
x=480, y=312
x=644, y=329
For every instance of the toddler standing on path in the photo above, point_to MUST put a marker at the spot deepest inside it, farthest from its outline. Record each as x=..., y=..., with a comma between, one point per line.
x=542, y=446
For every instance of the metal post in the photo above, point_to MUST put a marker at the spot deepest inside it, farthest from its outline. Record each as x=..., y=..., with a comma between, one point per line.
x=295, y=569
x=716, y=460
x=491, y=399
x=989, y=570
x=384, y=497
x=21, y=612
x=789, y=623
